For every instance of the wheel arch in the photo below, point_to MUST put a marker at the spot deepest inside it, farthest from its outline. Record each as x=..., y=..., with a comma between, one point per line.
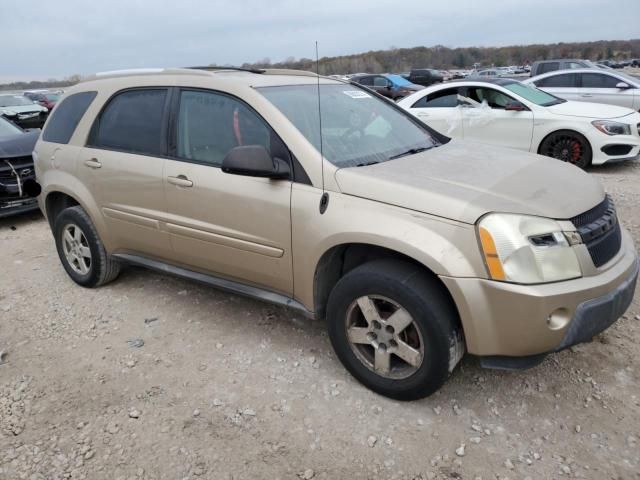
x=568, y=130
x=338, y=260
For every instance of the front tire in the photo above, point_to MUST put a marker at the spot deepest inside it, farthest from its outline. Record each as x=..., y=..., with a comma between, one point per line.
x=81, y=251
x=568, y=146
x=392, y=325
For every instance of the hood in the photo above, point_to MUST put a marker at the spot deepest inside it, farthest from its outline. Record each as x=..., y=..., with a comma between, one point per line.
x=464, y=180
x=24, y=108
x=19, y=145
x=590, y=110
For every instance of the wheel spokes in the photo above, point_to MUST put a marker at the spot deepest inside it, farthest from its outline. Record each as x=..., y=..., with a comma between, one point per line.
x=369, y=310
x=400, y=320
x=382, y=361
x=408, y=354
x=359, y=335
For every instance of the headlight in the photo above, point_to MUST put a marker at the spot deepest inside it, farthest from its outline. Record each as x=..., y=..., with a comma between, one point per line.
x=612, y=128
x=525, y=249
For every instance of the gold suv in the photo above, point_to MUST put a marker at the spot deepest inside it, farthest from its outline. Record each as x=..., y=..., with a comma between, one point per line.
x=322, y=196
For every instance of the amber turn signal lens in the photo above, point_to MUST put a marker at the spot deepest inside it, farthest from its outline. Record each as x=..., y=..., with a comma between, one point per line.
x=491, y=255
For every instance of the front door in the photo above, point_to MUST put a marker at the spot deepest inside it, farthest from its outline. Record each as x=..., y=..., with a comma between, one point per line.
x=485, y=119
x=235, y=226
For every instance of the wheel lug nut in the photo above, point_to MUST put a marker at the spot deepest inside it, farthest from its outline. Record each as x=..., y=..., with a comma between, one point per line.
x=371, y=336
x=377, y=325
x=393, y=343
x=382, y=347
x=389, y=329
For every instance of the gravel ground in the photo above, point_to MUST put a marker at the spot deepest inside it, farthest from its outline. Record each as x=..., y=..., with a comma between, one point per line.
x=153, y=377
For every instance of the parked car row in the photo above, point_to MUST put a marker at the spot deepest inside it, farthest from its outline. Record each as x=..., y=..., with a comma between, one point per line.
x=29, y=109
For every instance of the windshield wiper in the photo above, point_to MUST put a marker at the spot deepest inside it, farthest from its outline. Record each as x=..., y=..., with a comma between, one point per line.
x=366, y=164
x=411, y=151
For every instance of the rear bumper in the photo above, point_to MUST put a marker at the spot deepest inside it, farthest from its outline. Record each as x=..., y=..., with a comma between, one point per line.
x=502, y=319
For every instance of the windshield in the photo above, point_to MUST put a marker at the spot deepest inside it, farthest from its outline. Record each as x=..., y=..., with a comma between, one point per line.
x=357, y=127
x=629, y=78
x=7, y=128
x=398, y=80
x=534, y=95
x=14, y=101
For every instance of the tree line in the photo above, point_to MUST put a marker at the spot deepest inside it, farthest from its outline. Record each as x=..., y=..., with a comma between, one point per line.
x=441, y=57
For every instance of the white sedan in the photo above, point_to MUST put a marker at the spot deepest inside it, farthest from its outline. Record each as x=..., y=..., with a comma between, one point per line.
x=508, y=113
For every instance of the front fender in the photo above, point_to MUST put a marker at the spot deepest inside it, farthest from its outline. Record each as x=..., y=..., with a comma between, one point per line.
x=443, y=246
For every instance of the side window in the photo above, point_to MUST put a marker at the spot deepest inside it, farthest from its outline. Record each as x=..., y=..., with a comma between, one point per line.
x=597, y=80
x=380, y=82
x=549, y=67
x=368, y=81
x=132, y=122
x=565, y=80
x=65, y=117
x=210, y=124
x=494, y=98
x=447, y=98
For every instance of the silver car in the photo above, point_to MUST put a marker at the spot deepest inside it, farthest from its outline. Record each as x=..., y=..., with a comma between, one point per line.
x=591, y=85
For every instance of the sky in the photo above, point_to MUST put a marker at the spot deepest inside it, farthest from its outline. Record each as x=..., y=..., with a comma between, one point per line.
x=58, y=38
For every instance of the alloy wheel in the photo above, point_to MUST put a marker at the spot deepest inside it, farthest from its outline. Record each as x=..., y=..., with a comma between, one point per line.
x=76, y=249
x=384, y=337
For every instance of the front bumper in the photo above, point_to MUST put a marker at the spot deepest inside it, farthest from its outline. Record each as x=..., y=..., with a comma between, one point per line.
x=12, y=203
x=503, y=319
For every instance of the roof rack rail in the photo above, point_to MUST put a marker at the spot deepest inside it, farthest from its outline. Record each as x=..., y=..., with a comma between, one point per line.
x=239, y=69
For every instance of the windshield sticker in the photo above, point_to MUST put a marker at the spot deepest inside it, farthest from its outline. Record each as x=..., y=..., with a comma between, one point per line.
x=356, y=94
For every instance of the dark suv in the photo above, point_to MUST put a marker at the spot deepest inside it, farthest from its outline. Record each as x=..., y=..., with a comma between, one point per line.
x=392, y=86
x=425, y=76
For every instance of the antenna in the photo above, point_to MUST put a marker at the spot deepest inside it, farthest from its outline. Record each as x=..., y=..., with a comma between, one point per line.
x=324, y=200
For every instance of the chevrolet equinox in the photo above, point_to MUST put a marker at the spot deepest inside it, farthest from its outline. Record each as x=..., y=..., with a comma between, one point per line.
x=322, y=196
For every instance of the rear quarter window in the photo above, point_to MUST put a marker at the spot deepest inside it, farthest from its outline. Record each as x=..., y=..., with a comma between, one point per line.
x=65, y=117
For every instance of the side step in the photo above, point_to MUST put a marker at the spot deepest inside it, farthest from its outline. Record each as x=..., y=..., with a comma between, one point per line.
x=217, y=282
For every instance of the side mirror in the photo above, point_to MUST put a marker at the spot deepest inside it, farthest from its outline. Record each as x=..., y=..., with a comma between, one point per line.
x=515, y=107
x=254, y=161
x=623, y=86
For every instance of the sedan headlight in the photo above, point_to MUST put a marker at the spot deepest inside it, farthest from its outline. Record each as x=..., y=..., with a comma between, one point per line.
x=526, y=249
x=612, y=128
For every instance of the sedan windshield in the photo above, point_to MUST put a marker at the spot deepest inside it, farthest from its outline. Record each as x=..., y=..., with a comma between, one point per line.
x=14, y=101
x=534, y=95
x=357, y=127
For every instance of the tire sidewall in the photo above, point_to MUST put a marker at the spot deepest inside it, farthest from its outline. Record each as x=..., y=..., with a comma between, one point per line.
x=435, y=334
x=72, y=216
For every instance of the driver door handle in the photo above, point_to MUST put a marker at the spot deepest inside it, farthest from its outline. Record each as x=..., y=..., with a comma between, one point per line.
x=93, y=163
x=180, y=181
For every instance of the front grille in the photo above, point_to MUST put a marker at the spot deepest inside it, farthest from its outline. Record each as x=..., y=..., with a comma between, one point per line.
x=600, y=231
x=22, y=165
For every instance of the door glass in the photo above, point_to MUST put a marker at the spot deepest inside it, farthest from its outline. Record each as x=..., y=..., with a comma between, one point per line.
x=131, y=122
x=493, y=98
x=368, y=81
x=211, y=124
x=596, y=80
x=566, y=80
x=447, y=98
x=380, y=82
x=549, y=67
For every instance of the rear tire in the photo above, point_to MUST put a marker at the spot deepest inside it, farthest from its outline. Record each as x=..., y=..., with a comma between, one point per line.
x=568, y=146
x=81, y=251
x=400, y=348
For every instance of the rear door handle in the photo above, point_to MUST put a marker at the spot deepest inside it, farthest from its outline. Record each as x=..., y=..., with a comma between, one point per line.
x=93, y=163
x=586, y=95
x=180, y=181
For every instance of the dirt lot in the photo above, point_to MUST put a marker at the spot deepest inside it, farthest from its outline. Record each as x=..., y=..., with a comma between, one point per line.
x=154, y=377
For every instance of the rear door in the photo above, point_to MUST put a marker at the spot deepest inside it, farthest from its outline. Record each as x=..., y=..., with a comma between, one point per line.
x=382, y=85
x=122, y=167
x=601, y=88
x=487, y=121
x=238, y=227
x=564, y=85
x=440, y=111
